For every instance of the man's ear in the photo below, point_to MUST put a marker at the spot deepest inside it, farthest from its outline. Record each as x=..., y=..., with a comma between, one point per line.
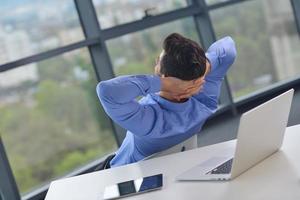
x=157, y=71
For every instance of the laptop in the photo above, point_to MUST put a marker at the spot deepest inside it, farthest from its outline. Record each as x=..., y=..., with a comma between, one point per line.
x=260, y=134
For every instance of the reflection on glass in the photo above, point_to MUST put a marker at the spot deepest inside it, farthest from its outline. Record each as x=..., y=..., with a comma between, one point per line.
x=30, y=27
x=115, y=12
x=136, y=53
x=267, y=42
x=51, y=120
x=127, y=188
x=136, y=186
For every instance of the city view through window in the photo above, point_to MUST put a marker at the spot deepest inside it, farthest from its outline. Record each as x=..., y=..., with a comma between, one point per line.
x=116, y=12
x=142, y=48
x=32, y=26
x=267, y=42
x=51, y=121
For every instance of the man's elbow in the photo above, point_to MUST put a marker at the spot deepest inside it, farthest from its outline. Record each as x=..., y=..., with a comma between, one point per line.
x=102, y=89
x=231, y=51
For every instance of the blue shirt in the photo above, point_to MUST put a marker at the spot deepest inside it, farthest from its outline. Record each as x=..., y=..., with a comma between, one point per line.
x=153, y=123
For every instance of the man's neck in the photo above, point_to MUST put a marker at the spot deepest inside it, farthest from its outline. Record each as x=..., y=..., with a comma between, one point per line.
x=170, y=98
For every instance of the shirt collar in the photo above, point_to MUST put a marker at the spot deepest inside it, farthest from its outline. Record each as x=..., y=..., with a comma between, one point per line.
x=169, y=105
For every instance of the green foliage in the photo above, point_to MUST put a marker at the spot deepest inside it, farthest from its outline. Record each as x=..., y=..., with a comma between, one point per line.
x=76, y=159
x=247, y=25
x=140, y=50
x=58, y=127
x=135, y=68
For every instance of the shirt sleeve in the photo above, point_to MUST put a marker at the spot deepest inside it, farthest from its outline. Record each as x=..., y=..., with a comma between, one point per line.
x=221, y=56
x=118, y=98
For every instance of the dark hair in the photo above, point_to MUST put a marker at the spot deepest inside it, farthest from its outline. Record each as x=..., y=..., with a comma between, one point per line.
x=183, y=58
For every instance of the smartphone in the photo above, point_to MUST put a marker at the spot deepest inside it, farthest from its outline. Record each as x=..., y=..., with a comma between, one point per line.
x=133, y=187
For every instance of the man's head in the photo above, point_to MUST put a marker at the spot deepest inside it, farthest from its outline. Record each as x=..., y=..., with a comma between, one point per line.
x=181, y=58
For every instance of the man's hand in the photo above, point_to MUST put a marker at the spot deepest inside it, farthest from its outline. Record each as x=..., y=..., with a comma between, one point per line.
x=180, y=89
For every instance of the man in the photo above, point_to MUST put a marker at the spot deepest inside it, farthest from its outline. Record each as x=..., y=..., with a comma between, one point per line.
x=177, y=100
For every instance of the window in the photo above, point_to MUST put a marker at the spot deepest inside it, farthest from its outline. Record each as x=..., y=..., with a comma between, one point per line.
x=115, y=12
x=136, y=53
x=30, y=27
x=267, y=42
x=210, y=2
x=51, y=120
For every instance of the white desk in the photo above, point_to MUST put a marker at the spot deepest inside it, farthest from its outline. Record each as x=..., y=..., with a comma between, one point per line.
x=277, y=177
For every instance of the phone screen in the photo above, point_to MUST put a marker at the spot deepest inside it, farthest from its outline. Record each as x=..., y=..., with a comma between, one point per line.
x=132, y=187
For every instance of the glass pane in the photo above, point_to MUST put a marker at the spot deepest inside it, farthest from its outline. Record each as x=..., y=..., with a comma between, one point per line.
x=30, y=27
x=115, y=12
x=267, y=42
x=136, y=53
x=210, y=2
x=51, y=120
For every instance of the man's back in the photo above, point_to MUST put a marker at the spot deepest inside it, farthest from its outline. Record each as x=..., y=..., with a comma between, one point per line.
x=155, y=123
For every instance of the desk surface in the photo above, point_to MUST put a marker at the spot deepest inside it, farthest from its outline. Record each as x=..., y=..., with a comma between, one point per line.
x=277, y=177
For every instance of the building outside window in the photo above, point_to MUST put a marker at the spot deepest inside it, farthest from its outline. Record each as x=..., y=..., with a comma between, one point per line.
x=51, y=120
x=267, y=42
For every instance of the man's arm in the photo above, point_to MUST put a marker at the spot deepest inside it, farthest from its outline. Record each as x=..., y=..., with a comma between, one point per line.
x=221, y=55
x=118, y=97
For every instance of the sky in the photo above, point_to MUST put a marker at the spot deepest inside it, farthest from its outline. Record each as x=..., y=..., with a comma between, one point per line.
x=4, y=4
x=12, y=3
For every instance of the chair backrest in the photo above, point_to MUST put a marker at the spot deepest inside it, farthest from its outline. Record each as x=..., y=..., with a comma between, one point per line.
x=190, y=143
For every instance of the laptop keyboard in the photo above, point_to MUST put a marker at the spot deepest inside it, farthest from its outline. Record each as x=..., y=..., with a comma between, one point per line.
x=224, y=168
